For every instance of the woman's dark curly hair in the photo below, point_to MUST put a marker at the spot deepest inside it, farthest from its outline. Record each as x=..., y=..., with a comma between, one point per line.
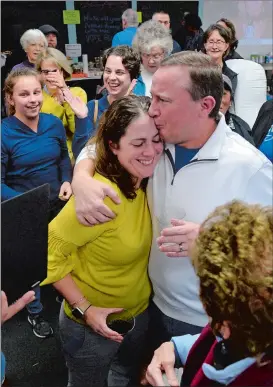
x=130, y=59
x=231, y=27
x=233, y=258
x=112, y=126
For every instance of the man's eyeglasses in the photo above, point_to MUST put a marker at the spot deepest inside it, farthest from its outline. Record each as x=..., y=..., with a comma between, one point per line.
x=218, y=43
x=46, y=72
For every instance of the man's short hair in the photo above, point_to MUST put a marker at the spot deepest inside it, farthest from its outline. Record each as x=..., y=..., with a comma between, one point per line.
x=160, y=12
x=130, y=15
x=206, y=77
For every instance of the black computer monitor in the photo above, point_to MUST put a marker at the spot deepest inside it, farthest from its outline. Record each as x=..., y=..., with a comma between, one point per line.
x=24, y=241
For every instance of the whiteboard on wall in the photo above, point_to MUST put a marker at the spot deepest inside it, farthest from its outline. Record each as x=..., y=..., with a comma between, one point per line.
x=253, y=20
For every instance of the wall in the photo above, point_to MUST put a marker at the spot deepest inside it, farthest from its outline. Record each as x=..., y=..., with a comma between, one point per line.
x=253, y=21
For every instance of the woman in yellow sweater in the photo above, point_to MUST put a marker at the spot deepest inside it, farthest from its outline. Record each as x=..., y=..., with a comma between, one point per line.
x=102, y=270
x=55, y=70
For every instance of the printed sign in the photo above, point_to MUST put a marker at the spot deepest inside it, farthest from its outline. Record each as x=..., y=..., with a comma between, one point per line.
x=73, y=50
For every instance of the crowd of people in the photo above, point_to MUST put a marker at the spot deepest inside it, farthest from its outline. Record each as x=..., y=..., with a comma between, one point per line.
x=160, y=206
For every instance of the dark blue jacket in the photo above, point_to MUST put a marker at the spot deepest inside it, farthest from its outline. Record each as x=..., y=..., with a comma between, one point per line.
x=176, y=47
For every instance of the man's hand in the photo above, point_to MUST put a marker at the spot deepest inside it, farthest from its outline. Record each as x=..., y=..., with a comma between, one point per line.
x=181, y=236
x=163, y=361
x=9, y=311
x=89, y=195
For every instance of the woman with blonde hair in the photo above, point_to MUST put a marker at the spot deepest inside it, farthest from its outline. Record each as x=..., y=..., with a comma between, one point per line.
x=33, y=42
x=153, y=42
x=233, y=259
x=56, y=70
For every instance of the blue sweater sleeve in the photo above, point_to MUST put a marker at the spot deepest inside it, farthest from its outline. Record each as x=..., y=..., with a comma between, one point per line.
x=183, y=346
x=65, y=163
x=6, y=192
x=84, y=130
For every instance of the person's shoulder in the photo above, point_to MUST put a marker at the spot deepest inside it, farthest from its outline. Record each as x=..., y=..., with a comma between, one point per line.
x=241, y=121
x=117, y=37
x=6, y=125
x=78, y=92
x=228, y=72
x=119, y=33
x=139, y=88
x=117, y=208
x=176, y=47
x=243, y=153
x=267, y=106
x=5, y=122
x=106, y=180
x=49, y=119
x=18, y=66
x=91, y=107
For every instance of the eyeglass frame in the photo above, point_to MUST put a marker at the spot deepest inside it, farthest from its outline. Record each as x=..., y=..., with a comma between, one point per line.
x=218, y=43
x=155, y=57
x=46, y=72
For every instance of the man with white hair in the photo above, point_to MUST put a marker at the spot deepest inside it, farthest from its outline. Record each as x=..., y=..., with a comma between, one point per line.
x=164, y=18
x=129, y=25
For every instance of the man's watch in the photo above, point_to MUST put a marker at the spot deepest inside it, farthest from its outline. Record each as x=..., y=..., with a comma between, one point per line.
x=79, y=312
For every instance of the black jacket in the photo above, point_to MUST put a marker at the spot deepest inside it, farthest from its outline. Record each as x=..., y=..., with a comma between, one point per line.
x=233, y=55
x=263, y=123
x=188, y=40
x=231, y=74
x=239, y=126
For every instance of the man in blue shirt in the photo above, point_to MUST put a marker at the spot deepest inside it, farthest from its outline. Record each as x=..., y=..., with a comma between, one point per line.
x=129, y=25
x=164, y=18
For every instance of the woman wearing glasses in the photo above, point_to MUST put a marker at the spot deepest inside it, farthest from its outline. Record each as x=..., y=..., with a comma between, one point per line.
x=153, y=42
x=55, y=70
x=217, y=41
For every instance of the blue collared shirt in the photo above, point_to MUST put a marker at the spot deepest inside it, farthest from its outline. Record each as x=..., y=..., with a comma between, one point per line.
x=124, y=37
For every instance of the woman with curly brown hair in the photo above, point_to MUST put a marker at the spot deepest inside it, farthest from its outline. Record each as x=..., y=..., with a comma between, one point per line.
x=121, y=67
x=233, y=258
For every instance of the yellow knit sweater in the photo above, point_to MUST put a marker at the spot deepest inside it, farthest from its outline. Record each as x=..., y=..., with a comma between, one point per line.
x=109, y=261
x=64, y=112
